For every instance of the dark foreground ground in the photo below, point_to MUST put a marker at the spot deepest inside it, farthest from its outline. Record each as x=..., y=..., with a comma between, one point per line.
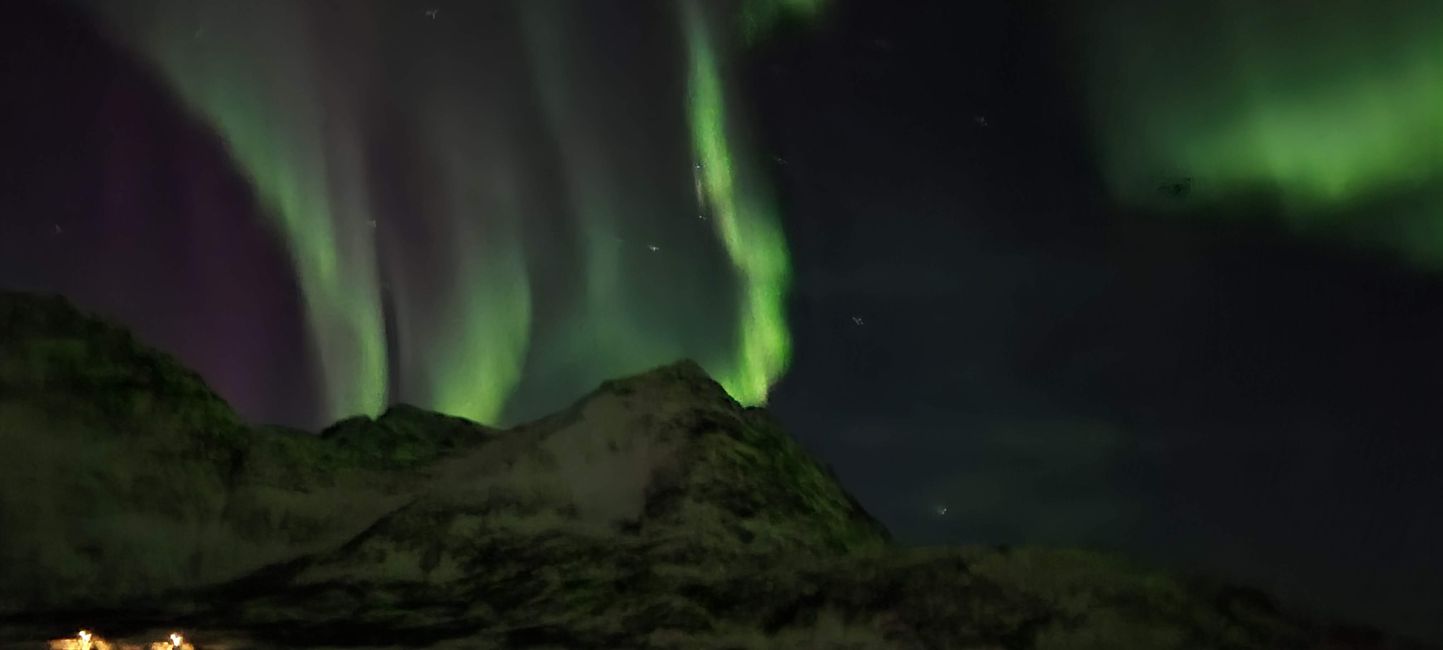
x=653, y=513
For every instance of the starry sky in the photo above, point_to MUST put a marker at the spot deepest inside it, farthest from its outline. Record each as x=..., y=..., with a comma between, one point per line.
x=1165, y=278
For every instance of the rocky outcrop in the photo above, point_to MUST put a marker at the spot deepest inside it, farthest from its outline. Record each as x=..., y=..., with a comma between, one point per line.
x=655, y=512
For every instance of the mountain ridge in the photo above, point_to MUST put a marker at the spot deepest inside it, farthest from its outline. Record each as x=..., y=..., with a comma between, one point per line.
x=654, y=512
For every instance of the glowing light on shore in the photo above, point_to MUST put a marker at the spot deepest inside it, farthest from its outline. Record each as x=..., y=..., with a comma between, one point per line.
x=87, y=640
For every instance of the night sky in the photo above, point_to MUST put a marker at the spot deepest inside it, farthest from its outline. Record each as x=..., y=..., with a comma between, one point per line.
x=1151, y=276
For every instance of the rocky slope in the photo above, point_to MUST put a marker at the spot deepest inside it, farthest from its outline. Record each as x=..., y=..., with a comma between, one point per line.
x=654, y=513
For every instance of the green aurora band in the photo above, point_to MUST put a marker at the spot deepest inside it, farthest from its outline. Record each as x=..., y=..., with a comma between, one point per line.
x=472, y=356
x=745, y=219
x=610, y=329
x=303, y=162
x=463, y=350
x=291, y=105
x=1337, y=116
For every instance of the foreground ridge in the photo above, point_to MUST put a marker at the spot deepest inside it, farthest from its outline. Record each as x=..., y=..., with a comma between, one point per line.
x=655, y=512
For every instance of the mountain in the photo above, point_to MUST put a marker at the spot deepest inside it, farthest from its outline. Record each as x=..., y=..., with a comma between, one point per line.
x=655, y=512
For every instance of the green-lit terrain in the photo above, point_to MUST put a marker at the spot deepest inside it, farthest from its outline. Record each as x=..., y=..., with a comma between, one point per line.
x=656, y=512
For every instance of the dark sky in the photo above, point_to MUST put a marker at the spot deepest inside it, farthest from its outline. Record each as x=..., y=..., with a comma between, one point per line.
x=990, y=342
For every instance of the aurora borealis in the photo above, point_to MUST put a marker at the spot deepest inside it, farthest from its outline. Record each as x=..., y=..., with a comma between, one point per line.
x=1325, y=113
x=745, y=220
x=759, y=18
x=290, y=89
x=934, y=237
x=302, y=162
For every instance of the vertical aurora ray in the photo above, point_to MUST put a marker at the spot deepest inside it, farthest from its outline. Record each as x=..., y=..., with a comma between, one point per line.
x=476, y=357
x=476, y=377
x=1337, y=115
x=472, y=348
x=247, y=69
x=620, y=321
x=745, y=219
x=453, y=245
x=514, y=182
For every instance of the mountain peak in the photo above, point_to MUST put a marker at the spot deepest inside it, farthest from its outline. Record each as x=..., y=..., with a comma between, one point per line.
x=681, y=377
x=667, y=448
x=655, y=512
x=58, y=359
